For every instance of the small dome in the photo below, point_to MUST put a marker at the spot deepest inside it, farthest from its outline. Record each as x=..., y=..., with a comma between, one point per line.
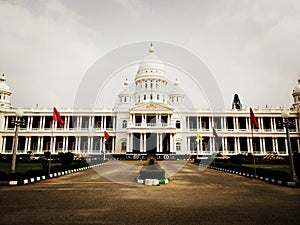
x=176, y=82
x=3, y=86
x=126, y=83
x=297, y=88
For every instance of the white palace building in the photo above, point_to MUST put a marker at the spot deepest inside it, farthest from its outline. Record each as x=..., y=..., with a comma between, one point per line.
x=152, y=118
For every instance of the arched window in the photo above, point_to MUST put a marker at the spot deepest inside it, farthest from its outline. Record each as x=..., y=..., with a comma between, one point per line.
x=178, y=146
x=123, y=146
x=124, y=124
x=150, y=96
x=178, y=124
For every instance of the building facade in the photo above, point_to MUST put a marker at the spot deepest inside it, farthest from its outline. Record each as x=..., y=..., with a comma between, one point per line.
x=152, y=118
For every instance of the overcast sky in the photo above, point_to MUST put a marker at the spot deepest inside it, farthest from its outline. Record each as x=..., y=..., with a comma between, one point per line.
x=251, y=47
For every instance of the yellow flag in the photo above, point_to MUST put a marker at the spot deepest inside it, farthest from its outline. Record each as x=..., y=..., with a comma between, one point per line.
x=199, y=137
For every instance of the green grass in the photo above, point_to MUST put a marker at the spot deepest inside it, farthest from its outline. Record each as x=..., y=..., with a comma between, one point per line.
x=284, y=168
x=22, y=167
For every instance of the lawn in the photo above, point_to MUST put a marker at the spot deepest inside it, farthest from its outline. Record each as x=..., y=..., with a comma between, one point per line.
x=284, y=168
x=22, y=167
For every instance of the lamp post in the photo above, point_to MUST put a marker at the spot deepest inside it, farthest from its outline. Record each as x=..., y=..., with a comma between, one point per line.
x=286, y=123
x=17, y=122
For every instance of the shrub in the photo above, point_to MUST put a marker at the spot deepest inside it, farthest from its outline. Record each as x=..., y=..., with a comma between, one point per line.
x=3, y=176
x=237, y=159
x=33, y=173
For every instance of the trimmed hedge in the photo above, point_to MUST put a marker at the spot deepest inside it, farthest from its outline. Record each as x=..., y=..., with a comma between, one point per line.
x=152, y=172
x=272, y=174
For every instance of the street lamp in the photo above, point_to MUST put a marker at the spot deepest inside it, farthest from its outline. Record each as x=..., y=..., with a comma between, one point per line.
x=287, y=124
x=17, y=122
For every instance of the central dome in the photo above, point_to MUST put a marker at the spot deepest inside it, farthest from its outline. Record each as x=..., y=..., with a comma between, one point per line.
x=151, y=67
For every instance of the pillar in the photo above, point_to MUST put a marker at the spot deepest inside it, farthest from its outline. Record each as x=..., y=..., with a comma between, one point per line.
x=145, y=146
x=157, y=142
x=141, y=142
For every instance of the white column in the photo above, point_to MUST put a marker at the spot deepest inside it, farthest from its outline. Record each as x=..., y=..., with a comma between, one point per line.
x=171, y=142
x=263, y=145
x=261, y=149
x=276, y=144
x=28, y=123
x=234, y=123
x=113, y=145
x=104, y=127
x=197, y=142
x=131, y=142
x=68, y=122
x=54, y=145
x=145, y=143
x=248, y=145
x=161, y=143
x=66, y=144
x=127, y=144
x=4, y=144
x=239, y=145
x=210, y=145
x=261, y=126
x=26, y=144
x=157, y=141
x=274, y=121
x=89, y=145
x=200, y=123
x=251, y=145
x=286, y=146
x=235, y=145
x=225, y=145
x=80, y=123
x=188, y=145
x=141, y=142
x=201, y=146
x=38, y=145
x=101, y=144
x=43, y=122
x=42, y=144
x=102, y=123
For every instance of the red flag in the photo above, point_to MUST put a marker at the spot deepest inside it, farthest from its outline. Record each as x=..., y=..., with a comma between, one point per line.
x=57, y=117
x=253, y=119
x=106, y=135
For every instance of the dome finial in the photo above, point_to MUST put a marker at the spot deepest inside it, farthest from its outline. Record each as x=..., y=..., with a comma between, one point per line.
x=3, y=77
x=151, y=49
x=126, y=83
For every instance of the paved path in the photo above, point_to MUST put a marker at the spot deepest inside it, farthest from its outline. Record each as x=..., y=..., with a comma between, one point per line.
x=192, y=197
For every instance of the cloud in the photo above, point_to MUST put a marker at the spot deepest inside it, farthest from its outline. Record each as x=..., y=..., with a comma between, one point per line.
x=44, y=55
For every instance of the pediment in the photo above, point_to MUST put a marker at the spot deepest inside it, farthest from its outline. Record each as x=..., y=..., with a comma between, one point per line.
x=151, y=106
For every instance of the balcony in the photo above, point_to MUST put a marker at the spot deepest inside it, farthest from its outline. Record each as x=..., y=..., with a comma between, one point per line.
x=153, y=125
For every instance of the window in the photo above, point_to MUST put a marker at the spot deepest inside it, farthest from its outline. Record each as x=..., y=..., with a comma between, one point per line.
x=144, y=97
x=151, y=96
x=157, y=97
x=123, y=146
x=60, y=145
x=124, y=124
x=98, y=124
x=178, y=124
x=178, y=146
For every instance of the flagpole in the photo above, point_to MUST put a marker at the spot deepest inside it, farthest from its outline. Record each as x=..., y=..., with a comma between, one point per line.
x=49, y=164
x=253, y=150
